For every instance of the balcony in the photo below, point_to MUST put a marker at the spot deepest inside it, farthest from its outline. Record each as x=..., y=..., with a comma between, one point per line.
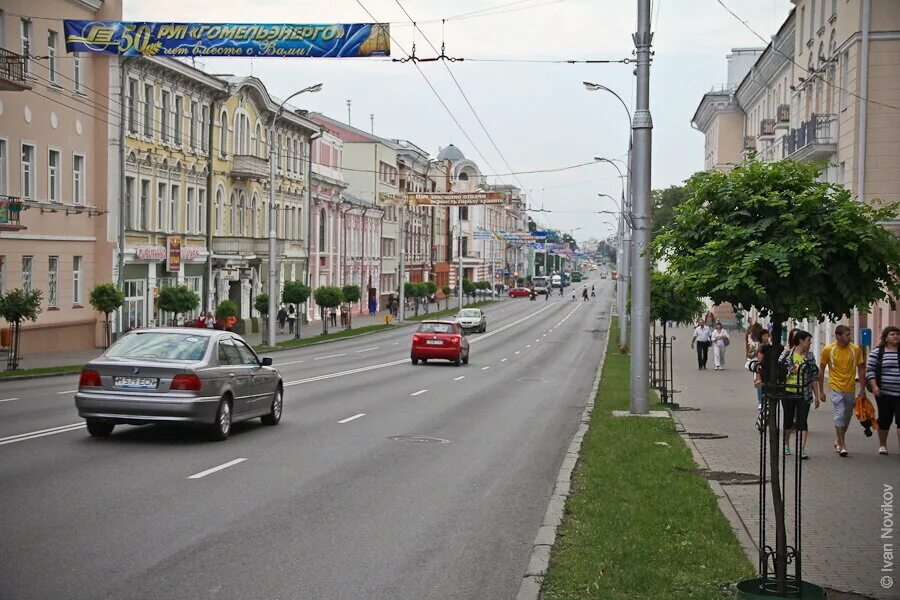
x=815, y=139
x=12, y=72
x=767, y=129
x=247, y=166
x=749, y=143
x=783, y=116
x=10, y=209
x=249, y=248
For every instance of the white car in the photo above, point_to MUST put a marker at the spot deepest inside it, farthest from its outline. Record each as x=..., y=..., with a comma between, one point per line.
x=472, y=319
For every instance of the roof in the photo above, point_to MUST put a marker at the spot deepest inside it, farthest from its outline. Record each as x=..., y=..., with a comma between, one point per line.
x=451, y=153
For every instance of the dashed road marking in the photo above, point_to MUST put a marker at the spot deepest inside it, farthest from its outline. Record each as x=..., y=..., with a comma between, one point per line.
x=353, y=418
x=502, y=360
x=418, y=393
x=518, y=352
x=230, y=463
x=458, y=378
x=331, y=356
x=21, y=437
x=367, y=349
x=8, y=399
x=66, y=392
x=485, y=368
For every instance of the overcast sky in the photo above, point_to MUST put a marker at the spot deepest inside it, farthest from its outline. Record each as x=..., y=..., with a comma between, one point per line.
x=539, y=114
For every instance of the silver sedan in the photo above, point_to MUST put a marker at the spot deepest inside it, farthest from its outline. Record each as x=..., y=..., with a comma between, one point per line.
x=472, y=319
x=177, y=375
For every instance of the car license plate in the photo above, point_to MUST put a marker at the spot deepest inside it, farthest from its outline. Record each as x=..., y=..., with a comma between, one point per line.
x=136, y=383
x=435, y=342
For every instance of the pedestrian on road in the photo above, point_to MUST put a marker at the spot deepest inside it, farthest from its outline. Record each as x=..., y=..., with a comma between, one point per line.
x=844, y=361
x=584, y=294
x=702, y=338
x=291, y=318
x=801, y=364
x=720, y=341
x=883, y=377
x=282, y=318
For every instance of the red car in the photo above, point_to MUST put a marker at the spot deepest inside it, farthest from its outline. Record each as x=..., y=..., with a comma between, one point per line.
x=519, y=292
x=439, y=339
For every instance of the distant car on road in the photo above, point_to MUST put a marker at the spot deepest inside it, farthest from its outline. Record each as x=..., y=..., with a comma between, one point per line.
x=195, y=377
x=439, y=340
x=603, y=275
x=519, y=292
x=472, y=319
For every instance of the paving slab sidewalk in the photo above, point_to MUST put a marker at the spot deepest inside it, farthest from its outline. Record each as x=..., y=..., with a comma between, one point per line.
x=842, y=514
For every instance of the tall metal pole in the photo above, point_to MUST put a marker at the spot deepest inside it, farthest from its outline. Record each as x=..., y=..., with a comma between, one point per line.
x=273, y=218
x=641, y=128
x=459, y=279
x=402, y=313
x=626, y=274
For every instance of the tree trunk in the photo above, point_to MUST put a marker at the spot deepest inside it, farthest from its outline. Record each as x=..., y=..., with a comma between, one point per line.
x=108, y=336
x=416, y=303
x=297, y=322
x=322, y=310
x=775, y=457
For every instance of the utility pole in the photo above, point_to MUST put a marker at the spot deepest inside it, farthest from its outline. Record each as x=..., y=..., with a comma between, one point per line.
x=459, y=279
x=627, y=261
x=372, y=122
x=348, y=112
x=642, y=129
x=402, y=277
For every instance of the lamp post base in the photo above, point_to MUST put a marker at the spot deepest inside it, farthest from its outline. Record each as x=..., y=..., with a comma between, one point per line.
x=758, y=588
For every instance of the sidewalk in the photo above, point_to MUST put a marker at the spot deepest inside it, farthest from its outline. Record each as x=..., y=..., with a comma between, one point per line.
x=842, y=517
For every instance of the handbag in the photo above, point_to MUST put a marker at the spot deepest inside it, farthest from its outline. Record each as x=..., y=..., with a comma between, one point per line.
x=725, y=341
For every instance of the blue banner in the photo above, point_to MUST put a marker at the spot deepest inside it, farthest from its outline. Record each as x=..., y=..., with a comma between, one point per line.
x=136, y=38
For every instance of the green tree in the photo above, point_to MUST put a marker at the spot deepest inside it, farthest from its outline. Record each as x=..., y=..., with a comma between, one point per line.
x=261, y=304
x=447, y=291
x=106, y=298
x=664, y=203
x=327, y=297
x=179, y=299
x=671, y=301
x=352, y=294
x=225, y=309
x=296, y=293
x=468, y=288
x=17, y=306
x=414, y=291
x=774, y=237
x=429, y=288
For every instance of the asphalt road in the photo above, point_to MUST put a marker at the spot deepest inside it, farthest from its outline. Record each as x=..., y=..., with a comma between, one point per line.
x=383, y=480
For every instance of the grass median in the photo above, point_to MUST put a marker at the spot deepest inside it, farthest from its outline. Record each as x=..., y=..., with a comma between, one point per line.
x=639, y=523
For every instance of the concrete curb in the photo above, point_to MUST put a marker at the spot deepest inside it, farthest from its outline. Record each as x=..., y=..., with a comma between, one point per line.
x=76, y=369
x=530, y=587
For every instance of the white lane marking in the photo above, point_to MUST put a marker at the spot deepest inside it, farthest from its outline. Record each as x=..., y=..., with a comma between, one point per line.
x=528, y=345
x=8, y=399
x=290, y=362
x=353, y=418
x=502, y=360
x=331, y=356
x=458, y=378
x=395, y=344
x=419, y=392
x=485, y=368
x=66, y=392
x=367, y=349
x=518, y=352
x=406, y=360
x=21, y=437
x=537, y=340
x=230, y=463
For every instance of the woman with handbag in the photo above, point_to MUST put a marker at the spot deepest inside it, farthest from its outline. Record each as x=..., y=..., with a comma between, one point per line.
x=720, y=341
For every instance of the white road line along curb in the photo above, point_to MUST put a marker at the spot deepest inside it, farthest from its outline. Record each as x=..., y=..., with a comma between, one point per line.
x=530, y=587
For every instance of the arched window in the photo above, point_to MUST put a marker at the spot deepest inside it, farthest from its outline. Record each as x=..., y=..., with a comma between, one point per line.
x=463, y=176
x=260, y=145
x=322, y=226
x=223, y=134
x=254, y=204
x=233, y=224
x=242, y=231
x=220, y=211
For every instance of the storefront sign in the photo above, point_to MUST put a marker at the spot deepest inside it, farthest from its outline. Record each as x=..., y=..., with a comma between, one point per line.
x=173, y=260
x=190, y=253
x=140, y=38
x=150, y=253
x=455, y=199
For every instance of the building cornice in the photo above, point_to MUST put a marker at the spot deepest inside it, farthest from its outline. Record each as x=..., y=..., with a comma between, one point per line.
x=712, y=104
x=91, y=5
x=777, y=55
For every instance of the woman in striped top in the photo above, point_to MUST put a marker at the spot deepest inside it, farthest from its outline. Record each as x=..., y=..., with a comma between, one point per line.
x=884, y=379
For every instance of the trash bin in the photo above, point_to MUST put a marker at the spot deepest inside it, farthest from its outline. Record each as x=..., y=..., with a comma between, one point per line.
x=5, y=337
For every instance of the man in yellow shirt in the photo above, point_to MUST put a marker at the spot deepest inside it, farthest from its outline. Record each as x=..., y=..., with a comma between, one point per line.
x=845, y=362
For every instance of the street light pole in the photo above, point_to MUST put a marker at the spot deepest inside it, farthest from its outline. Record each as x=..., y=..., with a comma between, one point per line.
x=273, y=220
x=642, y=127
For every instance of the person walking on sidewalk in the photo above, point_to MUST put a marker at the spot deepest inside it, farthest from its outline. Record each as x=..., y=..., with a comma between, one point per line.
x=291, y=318
x=282, y=318
x=720, y=341
x=800, y=364
x=702, y=338
x=883, y=377
x=845, y=362
x=757, y=353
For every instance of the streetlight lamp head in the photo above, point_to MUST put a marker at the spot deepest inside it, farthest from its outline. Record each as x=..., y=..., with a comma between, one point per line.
x=591, y=87
x=315, y=88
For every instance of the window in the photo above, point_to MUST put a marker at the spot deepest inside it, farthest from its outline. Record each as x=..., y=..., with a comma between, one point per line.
x=149, y=101
x=192, y=135
x=845, y=80
x=802, y=25
x=223, y=134
x=165, y=117
x=76, y=72
x=135, y=303
x=144, y=206
x=189, y=226
x=157, y=345
x=233, y=224
x=161, y=193
x=28, y=167
x=463, y=213
x=2, y=45
x=76, y=280
x=322, y=225
x=2, y=258
x=179, y=120
x=78, y=194
x=132, y=109
x=51, y=55
x=240, y=215
x=173, y=208
x=129, y=195
x=278, y=151
x=812, y=19
x=25, y=34
x=219, y=212
x=201, y=211
x=4, y=181
x=53, y=175
x=822, y=14
x=52, y=281
x=27, y=263
x=833, y=8
x=248, y=356
x=204, y=128
x=260, y=144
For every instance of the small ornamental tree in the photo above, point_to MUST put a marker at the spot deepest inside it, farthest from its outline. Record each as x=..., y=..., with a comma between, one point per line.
x=327, y=297
x=414, y=291
x=179, y=299
x=468, y=288
x=429, y=288
x=447, y=291
x=772, y=236
x=225, y=311
x=17, y=306
x=351, y=294
x=520, y=281
x=106, y=298
x=261, y=304
x=296, y=293
x=671, y=301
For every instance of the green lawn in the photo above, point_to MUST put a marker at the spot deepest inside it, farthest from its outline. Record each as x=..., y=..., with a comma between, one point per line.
x=638, y=525
x=41, y=371
x=313, y=335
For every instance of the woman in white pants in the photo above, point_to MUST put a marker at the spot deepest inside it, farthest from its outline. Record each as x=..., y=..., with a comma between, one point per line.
x=720, y=340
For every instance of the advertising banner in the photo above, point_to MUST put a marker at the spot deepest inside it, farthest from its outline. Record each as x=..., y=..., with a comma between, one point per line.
x=482, y=235
x=173, y=256
x=141, y=38
x=456, y=199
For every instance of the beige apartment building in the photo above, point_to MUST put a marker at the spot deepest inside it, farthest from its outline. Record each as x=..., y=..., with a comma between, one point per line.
x=825, y=89
x=54, y=126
